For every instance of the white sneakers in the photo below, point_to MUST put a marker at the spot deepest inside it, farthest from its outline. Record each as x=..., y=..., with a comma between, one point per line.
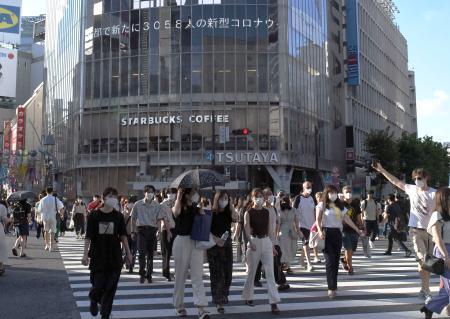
x=310, y=268
x=332, y=294
x=46, y=247
x=371, y=245
x=317, y=260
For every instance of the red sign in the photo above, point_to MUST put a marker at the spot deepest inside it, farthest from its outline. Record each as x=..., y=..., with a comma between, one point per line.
x=20, y=137
x=7, y=136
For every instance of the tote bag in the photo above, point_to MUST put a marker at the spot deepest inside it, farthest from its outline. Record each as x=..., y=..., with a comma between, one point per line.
x=202, y=226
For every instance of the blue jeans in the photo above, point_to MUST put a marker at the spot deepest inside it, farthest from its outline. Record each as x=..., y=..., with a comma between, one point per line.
x=439, y=302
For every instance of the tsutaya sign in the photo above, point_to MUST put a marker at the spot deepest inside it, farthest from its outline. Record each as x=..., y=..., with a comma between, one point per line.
x=247, y=158
x=174, y=119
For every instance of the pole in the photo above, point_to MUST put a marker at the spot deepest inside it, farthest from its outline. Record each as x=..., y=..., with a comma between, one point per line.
x=316, y=147
x=213, y=157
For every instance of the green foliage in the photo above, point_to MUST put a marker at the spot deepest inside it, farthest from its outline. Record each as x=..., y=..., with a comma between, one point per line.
x=408, y=153
x=382, y=146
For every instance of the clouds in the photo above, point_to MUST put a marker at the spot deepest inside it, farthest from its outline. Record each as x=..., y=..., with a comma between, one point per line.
x=433, y=115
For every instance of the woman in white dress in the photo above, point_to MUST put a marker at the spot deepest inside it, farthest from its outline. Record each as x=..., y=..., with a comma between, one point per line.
x=289, y=230
x=3, y=247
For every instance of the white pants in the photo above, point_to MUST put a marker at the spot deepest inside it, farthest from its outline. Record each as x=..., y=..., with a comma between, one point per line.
x=187, y=257
x=263, y=253
x=50, y=225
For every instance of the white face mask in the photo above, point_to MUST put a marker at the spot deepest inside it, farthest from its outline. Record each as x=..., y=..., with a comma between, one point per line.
x=259, y=201
x=348, y=195
x=271, y=199
x=332, y=197
x=195, y=198
x=308, y=191
x=223, y=203
x=111, y=202
x=419, y=183
x=171, y=196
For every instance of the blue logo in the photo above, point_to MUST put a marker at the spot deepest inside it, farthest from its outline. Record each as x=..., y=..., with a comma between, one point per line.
x=209, y=156
x=9, y=19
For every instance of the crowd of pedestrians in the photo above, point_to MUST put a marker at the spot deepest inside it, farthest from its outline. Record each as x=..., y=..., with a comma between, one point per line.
x=268, y=231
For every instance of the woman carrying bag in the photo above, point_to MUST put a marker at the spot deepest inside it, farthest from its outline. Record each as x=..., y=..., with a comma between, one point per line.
x=439, y=228
x=289, y=230
x=188, y=259
x=220, y=257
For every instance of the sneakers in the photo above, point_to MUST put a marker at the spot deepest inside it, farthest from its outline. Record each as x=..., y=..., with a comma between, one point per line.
x=371, y=245
x=93, y=308
x=283, y=287
x=310, y=268
x=387, y=253
x=142, y=279
x=203, y=314
x=332, y=294
x=181, y=312
x=46, y=247
x=317, y=260
x=274, y=309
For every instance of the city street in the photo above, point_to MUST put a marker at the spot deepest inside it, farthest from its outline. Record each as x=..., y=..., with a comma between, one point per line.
x=382, y=287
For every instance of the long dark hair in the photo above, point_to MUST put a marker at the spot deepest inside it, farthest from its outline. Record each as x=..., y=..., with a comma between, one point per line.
x=441, y=204
x=216, y=209
x=326, y=201
x=285, y=203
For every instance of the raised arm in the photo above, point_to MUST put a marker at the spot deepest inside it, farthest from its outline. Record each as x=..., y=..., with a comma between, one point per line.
x=391, y=178
x=176, y=209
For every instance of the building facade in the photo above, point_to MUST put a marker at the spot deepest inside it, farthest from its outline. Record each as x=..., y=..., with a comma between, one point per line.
x=382, y=97
x=139, y=91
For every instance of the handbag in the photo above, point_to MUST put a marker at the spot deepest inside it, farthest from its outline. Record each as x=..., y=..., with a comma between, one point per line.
x=433, y=264
x=316, y=242
x=201, y=228
x=203, y=245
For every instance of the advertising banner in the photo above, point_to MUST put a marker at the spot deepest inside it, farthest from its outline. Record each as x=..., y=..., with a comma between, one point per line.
x=10, y=21
x=353, y=64
x=8, y=72
x=6, y=136
x=20, y=137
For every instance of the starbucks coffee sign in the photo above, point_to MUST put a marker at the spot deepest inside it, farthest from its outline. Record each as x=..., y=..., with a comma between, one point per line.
x=174, y=119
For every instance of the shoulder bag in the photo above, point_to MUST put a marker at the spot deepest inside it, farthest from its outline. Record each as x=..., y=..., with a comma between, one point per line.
x=432, y=263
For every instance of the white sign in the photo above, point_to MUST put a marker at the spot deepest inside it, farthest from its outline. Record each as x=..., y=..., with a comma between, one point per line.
x=174, y=119
x=247, y=158
x=8, y=72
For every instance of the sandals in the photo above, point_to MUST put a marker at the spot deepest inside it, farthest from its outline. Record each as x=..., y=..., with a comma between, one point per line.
x=220, y=309
x=203, y=314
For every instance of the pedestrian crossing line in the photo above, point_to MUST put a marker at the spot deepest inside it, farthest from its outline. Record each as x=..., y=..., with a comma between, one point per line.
x=382, y=287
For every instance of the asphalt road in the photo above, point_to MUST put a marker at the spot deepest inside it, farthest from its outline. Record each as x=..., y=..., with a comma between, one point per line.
x=36, y=287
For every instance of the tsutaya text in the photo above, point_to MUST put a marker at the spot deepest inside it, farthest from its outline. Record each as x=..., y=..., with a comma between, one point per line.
x=173, y=119
x=211, y=23
x=247, y=158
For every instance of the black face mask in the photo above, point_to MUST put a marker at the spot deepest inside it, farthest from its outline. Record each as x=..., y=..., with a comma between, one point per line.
x=284, y=206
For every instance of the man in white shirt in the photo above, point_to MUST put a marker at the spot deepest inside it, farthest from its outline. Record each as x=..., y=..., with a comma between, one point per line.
x=421, y=198
x=49, y=207
x=371, y=210
x=305, y=206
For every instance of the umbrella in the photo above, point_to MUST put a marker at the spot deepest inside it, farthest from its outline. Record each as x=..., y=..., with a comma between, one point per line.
x=201, y=178
x=20, y=195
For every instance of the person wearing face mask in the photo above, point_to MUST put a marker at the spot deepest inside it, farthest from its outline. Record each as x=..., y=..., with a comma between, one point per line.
x=421, y=198
x=105, y=233
x=259, y=228
x=331, y=214
x=305, y=206
x=79, y=213
x=280, y=278
x=370, y=211
x=349, y=235
x=220, y=257
x=168, y=232
x=392, y=216
x=289, y=228
x=188, y=259
x=145, y=216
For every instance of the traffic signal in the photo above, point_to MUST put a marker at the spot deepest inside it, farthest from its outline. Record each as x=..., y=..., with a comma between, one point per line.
x=242, y=131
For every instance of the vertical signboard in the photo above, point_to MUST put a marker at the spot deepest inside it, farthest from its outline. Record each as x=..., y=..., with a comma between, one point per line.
x=6, y=136
x=8, y=72
x=20, y=138
x=10, y=21
x=352, y=32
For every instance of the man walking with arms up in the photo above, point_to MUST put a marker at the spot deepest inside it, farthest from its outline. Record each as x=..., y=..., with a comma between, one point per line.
x=421, y=198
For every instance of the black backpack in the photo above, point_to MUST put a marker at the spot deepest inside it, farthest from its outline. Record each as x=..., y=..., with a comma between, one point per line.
x=19, y=215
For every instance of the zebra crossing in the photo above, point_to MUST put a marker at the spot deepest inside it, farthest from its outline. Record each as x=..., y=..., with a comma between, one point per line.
x=382, y=287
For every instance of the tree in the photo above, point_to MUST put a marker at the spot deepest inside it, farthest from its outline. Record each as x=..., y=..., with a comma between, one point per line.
x=426, y=153
x=381, y=145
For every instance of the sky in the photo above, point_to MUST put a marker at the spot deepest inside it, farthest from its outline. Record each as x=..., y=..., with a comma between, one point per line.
x=425, y=25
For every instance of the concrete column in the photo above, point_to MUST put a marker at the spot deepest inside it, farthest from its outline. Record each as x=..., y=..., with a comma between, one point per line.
x=282, y=176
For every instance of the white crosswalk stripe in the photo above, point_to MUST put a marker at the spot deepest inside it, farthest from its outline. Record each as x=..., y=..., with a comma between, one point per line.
x=382, y=287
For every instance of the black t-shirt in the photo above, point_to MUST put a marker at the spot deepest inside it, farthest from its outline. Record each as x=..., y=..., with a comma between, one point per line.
x=104, y=230
x=20, y=213
x=184, y=221
x=353, y=211
x=259, y=221
x=221, y=222
x=395, y=213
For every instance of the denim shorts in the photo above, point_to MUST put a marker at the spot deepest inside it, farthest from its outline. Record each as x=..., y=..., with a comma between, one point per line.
x=350, y=240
